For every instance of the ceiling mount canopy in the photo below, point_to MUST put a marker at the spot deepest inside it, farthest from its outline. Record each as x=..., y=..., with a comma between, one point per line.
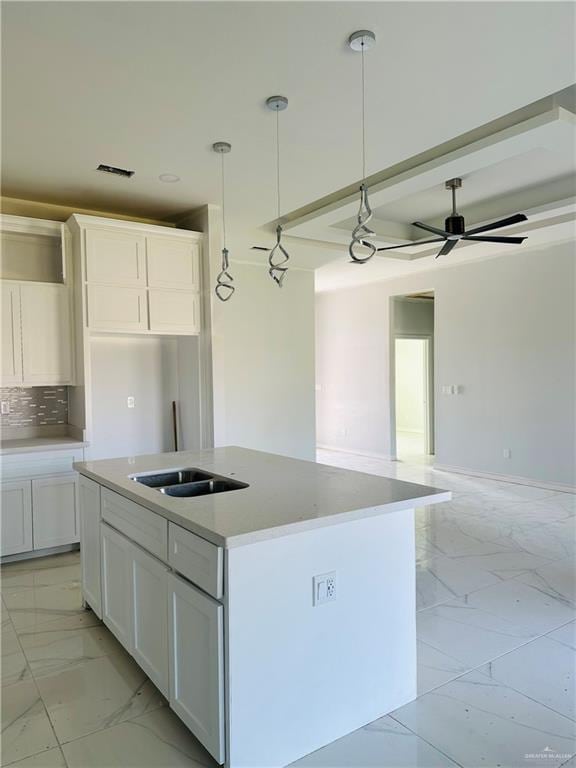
x=224, y=282
x=360, y=249
x=455, y=228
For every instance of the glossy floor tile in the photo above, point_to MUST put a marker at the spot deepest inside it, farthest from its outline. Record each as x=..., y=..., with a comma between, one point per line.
x=26, y=729
x=382, y=744
x=155, y=740
x=96, y=695
x=478, y=721
x=495, y=577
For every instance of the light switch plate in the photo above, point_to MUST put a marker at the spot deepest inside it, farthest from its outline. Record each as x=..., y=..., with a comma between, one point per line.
x=5, y=408
x=324, y=588
x=131, y=402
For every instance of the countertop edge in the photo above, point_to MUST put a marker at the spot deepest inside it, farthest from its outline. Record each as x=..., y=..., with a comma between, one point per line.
x=264, y=534
x=67, y=444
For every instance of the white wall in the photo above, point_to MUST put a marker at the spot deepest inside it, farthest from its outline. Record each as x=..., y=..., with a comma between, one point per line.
x=505, y=332
x=146, y=369
x=266, y=347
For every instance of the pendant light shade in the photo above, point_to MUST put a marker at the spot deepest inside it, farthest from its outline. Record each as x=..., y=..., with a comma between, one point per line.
x=361, y=249
x=224, y=282
x=278, y=256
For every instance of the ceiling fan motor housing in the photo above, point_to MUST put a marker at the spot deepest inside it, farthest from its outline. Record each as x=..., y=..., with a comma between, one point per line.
x=454, y=225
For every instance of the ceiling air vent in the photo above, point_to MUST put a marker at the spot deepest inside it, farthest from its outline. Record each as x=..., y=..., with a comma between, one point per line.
x=115, y=171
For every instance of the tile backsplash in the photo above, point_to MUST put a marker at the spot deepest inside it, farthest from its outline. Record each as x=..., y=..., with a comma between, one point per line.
x=34, y=406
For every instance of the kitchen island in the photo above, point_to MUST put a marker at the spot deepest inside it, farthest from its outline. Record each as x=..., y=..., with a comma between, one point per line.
x=271, y=600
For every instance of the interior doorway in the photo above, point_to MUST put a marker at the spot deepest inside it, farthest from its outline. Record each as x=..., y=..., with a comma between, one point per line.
x=412, y=399
x=412, y=374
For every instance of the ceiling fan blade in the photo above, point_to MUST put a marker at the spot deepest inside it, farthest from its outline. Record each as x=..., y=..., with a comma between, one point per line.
x=516, y=219
x=435, y=230
x=446, y=248
x=410, y=245
x=484, y=239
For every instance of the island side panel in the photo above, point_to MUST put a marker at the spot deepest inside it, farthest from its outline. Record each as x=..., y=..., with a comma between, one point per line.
x=300, y=676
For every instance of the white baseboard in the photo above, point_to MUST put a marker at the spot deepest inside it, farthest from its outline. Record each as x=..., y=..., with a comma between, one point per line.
x=562, y=487
x=367, y=454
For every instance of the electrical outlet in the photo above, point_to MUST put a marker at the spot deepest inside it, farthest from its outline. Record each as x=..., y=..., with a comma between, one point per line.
x=5, y=407
x=324, y=588
x=507, y=453
x=131, y=402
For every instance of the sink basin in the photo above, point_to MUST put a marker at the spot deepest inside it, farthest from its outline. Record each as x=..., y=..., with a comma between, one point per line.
x=173, y=477
x=203, y=488
x=188, y=482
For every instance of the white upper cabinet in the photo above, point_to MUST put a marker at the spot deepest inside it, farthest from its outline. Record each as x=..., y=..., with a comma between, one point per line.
x=46, y=334
x=11, y=335
x=173, y=263
x=138, y=278
x=115, y=257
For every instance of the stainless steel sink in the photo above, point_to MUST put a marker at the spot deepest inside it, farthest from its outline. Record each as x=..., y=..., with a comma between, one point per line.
x=188, y=482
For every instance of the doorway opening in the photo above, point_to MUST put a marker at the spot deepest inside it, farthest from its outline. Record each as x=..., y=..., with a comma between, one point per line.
x=412, y=369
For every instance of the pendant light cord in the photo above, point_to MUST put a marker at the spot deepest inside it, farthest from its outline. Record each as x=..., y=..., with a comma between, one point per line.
x=278, y=162
x=223, y=202
x=363, y=120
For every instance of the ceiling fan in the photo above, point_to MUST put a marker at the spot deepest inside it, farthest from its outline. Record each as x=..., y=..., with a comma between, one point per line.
x=455, y=228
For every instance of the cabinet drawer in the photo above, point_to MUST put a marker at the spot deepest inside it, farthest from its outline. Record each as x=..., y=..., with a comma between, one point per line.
x=112, y=308
x=138, y=523
x=197, y=559
x=38, y=463
x=174, y=311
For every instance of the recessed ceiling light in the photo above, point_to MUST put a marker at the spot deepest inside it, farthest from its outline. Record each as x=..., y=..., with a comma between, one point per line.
x=169, y=178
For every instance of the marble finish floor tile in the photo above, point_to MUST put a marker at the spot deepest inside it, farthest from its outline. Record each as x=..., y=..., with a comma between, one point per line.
x=33, y=610
x=436, y=668
x=53, y=758
x=384, y=743
x=543, y=670
x=55, y=650
x=565, y=635
x=96, y=695
x=14, y=665
x=477, y=721
x=440, y=579
x=154, y=740
x=556, y=581
x=40, y=572
x=26, y=729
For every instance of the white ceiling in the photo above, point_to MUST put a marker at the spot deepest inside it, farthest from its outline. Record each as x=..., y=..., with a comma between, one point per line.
x=150, y=85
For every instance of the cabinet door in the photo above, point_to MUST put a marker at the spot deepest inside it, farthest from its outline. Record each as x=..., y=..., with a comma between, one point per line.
x=150, y=617
x=11, y=336
x=116, y=585
x=174, y=311
x=115, y=257
x=46, y=334
x=173, y=263
x=89, y=503
x=16, y=517
x=196, y=664
x=54, y=512
x=116, y=309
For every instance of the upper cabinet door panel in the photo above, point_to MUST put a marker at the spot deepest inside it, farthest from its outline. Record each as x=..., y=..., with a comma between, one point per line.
x=11, y=336
x=173, y=263
x=174, y=311
x=46, y=334
x=115, y=257
x=116, y=308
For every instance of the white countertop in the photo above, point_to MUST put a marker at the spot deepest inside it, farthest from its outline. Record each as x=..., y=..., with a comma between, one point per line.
x=29, y=444
x=285, y=496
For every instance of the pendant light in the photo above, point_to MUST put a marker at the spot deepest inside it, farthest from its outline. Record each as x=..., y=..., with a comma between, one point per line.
x=224, y=282
x=278, y=255
x=362, y=41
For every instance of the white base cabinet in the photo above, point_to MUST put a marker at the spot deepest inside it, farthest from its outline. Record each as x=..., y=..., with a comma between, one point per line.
x=89, y=502
x=16, y=517
x=54, y=511
x=197, y=663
